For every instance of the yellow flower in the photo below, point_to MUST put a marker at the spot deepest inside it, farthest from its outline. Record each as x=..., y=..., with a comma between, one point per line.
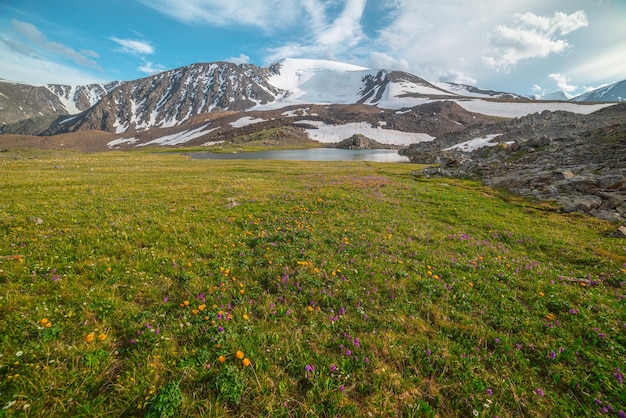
x=194, y=312
x=44, y=321
x=47, y=324
x=310, y=308
x=102, y=337
x=541, y=294
x=186, y=303
x=239, y=354
x=90, y=337
x=550, y=317
x=221, y=359
x=471, y=284
x=245, y=317
x=246, y=361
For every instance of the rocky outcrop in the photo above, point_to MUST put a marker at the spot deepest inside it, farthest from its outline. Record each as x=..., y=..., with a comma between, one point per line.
x=577, y=161
x=359, y=141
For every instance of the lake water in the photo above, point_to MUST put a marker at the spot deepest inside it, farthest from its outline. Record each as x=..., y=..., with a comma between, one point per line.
x=311, y=154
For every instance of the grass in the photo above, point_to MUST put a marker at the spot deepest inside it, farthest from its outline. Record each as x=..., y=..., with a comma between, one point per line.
x=137, y=284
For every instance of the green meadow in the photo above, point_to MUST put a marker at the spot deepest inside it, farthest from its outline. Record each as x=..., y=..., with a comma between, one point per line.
x=139, y=284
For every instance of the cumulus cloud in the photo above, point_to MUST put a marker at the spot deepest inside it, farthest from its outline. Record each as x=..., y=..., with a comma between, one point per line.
x=563, y=82
x=38, y=39
x=134, y=46
x=532, y=36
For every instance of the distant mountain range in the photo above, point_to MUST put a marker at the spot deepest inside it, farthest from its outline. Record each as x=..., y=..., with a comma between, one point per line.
x=176, y=97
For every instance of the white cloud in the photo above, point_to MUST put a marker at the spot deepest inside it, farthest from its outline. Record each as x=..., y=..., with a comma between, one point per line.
x=532, y=37
x=346, y=28
x=458, y=77
x=39, y=40
x=264, y=14
x=241, y=59
x=328, y=37
x=380, y=60
x=563, y=82
x=607, y=64
x=134, y=46
x=150, y=68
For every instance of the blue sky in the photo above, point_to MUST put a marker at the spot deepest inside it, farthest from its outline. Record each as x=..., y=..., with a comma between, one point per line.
x=522, y=46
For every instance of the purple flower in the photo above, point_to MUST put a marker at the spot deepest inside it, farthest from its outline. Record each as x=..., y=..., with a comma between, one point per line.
x=348, y=353
x=133, y=341
x=540, y=392
x=427, y=352
x=333, y=367
x=356, y=342
x=619, y=376
x=342, y=388
x=552, y=355
x=309, y=368
x=489, y=392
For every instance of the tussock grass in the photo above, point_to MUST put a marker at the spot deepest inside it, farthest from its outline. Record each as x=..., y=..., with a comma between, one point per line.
x=162, y=286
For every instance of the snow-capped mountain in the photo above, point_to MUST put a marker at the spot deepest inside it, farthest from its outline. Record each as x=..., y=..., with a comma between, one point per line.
x=615, y=92
x=471, y=91
x=176, y=97
x=173, y=97
x=556, y=95
x=20, y=101
x=76, y=99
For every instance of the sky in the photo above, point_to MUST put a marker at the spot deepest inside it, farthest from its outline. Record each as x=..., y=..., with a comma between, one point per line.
x=529, y=47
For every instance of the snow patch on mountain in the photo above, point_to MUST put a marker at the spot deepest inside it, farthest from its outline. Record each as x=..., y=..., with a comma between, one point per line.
x=328, y=134
x=121, y=141
x=519, y=109
x=476, y=143
x=180, y=137
x=245, y=121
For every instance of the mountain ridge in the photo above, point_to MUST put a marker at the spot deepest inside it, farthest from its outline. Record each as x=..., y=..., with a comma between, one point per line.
x=174, y=97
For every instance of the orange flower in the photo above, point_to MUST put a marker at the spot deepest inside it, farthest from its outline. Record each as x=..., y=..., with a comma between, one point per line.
x=246, y=362
x=245, y=317
x=471, y=284
x=550, y=317
x=239, y=354
x=221, y=359
x=541, y=294
x=102, y=337
x=90, y=337
x=47, y=324
x=44, y=321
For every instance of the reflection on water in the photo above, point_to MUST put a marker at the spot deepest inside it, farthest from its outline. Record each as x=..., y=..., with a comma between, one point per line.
x=312, y=154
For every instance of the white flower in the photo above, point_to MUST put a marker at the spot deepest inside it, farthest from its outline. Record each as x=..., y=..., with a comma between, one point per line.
x=19, y=353
x=475, y=413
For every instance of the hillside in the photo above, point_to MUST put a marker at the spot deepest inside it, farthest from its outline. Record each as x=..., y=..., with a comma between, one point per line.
x=137, y=283
x=574, y=160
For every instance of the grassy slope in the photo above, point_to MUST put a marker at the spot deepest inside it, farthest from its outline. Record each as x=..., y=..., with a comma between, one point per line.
x=352, y=288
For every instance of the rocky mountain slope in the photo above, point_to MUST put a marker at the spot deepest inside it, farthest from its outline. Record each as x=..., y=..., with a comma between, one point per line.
x=576, y=160
x=20, y=102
